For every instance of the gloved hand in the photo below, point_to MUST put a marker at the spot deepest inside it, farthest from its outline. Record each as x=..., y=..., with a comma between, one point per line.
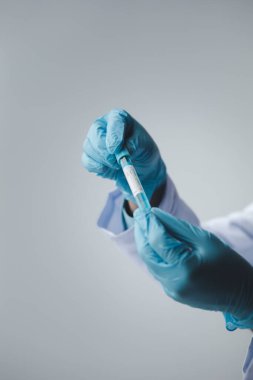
x=195, y=267
x=107, y=136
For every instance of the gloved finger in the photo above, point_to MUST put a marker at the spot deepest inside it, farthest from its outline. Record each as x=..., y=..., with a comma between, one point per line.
x=154, y=263
x=100, y=155
x=138, y=142
x=117, y=123
x=95, y=145
x=96, y=167
x=166, y=246
x=97, y=133
x=91, y=165
x=177, y=228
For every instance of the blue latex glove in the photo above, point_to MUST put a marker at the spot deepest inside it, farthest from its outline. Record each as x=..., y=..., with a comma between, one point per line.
x=195, y=267
x=106, y=138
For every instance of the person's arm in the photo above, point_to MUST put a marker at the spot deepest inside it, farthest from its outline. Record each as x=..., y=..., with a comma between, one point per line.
x=195, y=267
x=235, y=229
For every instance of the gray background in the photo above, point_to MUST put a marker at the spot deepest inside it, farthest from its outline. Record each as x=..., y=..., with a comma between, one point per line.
x=72, y=306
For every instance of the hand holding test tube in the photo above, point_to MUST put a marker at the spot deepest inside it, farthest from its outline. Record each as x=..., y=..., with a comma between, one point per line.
x=117, y=135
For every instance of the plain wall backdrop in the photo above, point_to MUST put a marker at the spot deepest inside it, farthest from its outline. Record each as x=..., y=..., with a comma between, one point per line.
x=73, y=307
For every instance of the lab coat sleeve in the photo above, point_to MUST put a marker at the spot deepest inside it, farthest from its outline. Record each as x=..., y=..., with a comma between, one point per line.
x=236, y=230
x=112, y=223
x=248, y=364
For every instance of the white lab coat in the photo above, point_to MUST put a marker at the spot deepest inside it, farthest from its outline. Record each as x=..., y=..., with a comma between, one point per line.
x=236, y=229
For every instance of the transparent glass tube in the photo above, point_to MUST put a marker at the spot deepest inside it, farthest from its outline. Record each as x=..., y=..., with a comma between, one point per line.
x=134, y=183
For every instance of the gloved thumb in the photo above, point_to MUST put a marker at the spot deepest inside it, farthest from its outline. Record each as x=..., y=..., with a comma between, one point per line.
x=165, y=245
x=177, y=228
x=153, y=261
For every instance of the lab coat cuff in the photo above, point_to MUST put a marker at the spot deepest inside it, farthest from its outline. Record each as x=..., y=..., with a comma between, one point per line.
x=112, y=224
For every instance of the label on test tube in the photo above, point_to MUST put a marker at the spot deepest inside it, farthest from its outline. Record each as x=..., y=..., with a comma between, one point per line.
x=133, y=180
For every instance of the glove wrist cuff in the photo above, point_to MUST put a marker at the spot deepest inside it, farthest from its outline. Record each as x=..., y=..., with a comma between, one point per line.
x=233, y=323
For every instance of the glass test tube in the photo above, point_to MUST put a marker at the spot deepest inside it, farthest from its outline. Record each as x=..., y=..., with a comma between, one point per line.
x=134, y=183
